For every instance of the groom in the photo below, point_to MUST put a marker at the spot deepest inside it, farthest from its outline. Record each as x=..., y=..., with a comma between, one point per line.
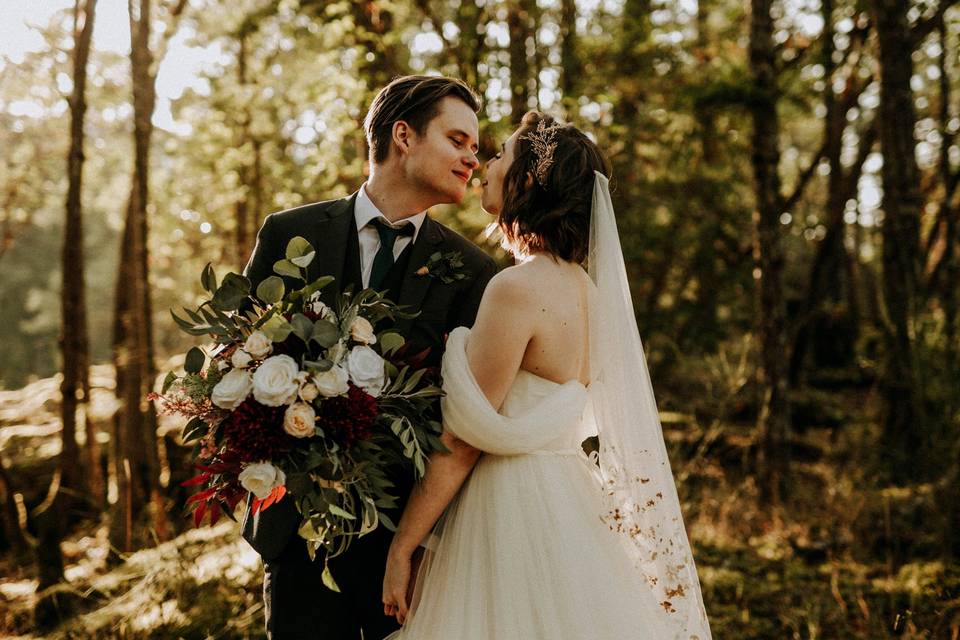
x=422, y=133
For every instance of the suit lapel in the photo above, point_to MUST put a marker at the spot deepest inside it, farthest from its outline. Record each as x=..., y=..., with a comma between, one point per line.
x=415, y=287
x=331, y=236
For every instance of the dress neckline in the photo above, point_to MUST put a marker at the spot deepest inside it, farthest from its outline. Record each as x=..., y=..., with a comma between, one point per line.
x=573, y=381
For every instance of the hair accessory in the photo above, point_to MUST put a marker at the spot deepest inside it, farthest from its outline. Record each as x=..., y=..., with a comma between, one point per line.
x=543, y=148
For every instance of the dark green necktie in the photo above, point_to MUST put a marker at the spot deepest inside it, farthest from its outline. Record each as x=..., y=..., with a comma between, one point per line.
x=384, y=258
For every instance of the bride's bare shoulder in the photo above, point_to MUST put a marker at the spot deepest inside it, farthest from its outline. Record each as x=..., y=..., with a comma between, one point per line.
x=510, y=284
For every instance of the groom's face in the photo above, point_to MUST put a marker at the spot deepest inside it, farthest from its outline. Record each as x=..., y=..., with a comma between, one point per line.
x=442, y=160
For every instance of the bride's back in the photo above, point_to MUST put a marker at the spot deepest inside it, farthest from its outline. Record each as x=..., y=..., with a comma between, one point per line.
x=556, y=308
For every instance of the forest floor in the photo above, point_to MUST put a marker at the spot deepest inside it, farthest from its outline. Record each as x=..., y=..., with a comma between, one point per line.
x=841, y=558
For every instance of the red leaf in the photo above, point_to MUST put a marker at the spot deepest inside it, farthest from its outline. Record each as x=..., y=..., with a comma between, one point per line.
x=200, y=479
x=256, y=505
x=198, y=514
x=203, y=495
x=214, y=513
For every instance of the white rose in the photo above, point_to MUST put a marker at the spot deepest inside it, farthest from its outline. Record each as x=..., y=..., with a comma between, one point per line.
x=260, y=478
x=299, y=420
x=241, y=359
x=336, y=352
x=362, y=331
x=222, y=364
x=366, y=369
x=275, y=381
x=309, y=392
x=258, y=345
x=233, y=389
x=333, y=382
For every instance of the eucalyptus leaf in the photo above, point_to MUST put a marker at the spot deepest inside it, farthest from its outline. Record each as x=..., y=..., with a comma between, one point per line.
x=297, y=247
x=208, y=279
x=194, y=361
x=391, y=341
x=325, y=333
x=302, y=326
x=318, y=366
x=195, y=429
x=287, y=268
x=271, y=290
x=167, y=381
x=277, y=328
x=304, y=260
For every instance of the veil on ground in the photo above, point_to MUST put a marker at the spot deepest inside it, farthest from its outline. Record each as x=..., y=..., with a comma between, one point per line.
x=639, y=492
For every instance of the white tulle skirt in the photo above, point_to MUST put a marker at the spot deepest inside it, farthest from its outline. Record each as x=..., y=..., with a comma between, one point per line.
x=521, y=554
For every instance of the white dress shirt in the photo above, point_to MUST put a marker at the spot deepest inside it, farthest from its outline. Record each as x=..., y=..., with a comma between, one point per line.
x=364, y=211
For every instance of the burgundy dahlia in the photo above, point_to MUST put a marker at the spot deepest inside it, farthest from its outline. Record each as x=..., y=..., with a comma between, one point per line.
x=255, y=432
x=348, y=419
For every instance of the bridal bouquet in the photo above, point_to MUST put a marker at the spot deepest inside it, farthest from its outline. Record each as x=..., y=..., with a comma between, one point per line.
x=301, y=401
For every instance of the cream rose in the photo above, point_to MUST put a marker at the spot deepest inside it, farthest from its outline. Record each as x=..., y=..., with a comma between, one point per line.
x=241, y=359
x=333, y=382
x=258, y=345
x=309, y=392
x=362, y=331
x=275, y=381
x=233, y=389
x=299, y=420
x=260, y=478
x=366, y=369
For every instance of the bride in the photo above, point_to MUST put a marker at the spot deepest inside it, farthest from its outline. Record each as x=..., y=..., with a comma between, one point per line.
x=532, y=539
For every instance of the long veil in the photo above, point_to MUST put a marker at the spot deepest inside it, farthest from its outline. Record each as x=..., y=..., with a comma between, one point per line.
x=640, y=496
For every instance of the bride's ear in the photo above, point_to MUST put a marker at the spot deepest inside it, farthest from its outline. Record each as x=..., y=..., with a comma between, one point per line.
x=529, y=183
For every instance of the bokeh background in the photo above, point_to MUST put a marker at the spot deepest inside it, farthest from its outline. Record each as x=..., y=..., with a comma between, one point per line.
x=785, y=177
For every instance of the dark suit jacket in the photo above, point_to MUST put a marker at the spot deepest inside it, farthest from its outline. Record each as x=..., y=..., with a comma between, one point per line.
x=331, y=228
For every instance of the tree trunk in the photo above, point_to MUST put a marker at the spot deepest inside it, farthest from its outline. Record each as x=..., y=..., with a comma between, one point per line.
x=570, y=68
x=520, y=24
x=902, y=419
x=74, y=341
x=773, y=424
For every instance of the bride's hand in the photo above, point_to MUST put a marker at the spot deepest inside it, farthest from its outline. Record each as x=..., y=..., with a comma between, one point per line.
x=396, y=581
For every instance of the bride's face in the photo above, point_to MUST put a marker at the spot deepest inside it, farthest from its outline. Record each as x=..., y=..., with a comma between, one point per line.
x=494, y=173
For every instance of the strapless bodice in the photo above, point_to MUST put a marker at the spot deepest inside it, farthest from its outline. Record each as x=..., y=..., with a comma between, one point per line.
x=537, y=415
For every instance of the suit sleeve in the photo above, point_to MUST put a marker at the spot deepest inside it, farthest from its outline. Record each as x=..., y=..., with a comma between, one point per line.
x=260, y=265
x=471, y=300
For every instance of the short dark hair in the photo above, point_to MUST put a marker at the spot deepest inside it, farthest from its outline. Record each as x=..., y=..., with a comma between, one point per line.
x=553, y=217
x=414, y=100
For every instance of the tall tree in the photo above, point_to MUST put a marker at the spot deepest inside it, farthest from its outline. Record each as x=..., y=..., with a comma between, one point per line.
x=830, y=270
x=136, y=459
x=570, y=67
x=902, y=415
x=520, y=22
x=774, y=420
x=74, y=342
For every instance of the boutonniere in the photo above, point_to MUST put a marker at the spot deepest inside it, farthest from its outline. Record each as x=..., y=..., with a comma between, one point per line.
x=446, y=267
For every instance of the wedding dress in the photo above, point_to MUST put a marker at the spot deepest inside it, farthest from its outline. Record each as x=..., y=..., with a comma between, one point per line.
x=517, y=556
x=544, y=542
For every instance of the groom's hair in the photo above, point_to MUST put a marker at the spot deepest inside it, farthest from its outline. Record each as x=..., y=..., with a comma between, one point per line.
x=414, y=100
x=552, y=216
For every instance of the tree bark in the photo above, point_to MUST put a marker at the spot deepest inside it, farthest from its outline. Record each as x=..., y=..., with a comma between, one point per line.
x=74, y=341
x=570, y=68
x=902, y=414
x=520, y=23
x=773, y=424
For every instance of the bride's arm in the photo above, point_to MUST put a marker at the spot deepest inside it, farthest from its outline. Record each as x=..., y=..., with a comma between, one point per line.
x=495, y=350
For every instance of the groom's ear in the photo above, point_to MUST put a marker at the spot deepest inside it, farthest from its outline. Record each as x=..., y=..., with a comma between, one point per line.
x=401, y=134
